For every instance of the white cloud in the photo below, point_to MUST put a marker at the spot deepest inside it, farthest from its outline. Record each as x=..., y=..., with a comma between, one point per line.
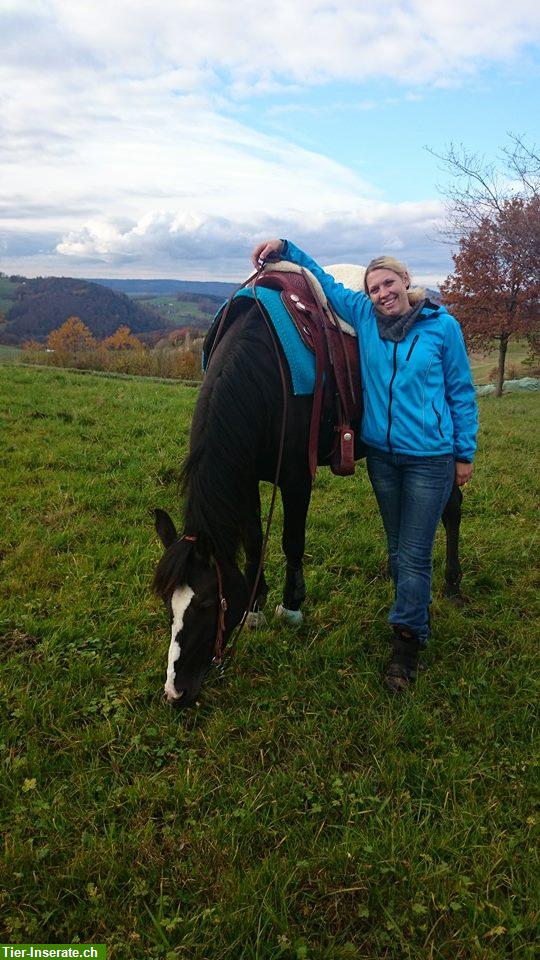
x=174, y=244
x=121, y=139
x=306, y=42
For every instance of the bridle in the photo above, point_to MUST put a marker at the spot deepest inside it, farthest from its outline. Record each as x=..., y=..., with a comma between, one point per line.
x=222, y=608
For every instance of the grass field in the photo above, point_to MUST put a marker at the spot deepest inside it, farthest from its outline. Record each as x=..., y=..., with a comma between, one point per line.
x=180, y=312
x=297, y=813
x=7, y=294
x=482, y=364
x=7, y=354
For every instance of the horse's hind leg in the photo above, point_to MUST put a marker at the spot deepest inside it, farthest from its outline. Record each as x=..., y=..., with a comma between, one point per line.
x=253, y=540
x=295, y=494
x=451, y=519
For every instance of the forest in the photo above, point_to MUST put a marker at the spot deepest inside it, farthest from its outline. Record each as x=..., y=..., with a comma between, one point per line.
x=32, y=308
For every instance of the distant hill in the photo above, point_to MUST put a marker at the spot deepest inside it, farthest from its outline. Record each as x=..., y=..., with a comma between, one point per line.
x=183, y=309
x=159, y=288
x=164, y=288
x=8, y=292
x=30, y=309
x=43, y=304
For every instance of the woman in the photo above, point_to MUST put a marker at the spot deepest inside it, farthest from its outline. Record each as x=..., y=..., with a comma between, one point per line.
x=419, y=427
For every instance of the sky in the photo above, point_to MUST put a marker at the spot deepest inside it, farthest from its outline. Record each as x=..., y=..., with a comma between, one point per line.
x=164, y=139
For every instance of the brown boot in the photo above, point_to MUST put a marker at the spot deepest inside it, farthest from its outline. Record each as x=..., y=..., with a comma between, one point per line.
x=404, y=665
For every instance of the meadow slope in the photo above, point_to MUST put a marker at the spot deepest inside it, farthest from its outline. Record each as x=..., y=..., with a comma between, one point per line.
x=298, y=813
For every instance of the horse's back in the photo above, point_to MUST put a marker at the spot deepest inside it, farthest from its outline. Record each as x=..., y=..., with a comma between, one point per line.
x=245, y=389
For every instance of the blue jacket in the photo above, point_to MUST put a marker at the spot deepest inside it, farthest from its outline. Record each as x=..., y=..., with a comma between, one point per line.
x=419, y=398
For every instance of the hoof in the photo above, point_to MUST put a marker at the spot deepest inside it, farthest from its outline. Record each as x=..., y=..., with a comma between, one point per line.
x=293, y=617
x=455, y=596
x=255, y=619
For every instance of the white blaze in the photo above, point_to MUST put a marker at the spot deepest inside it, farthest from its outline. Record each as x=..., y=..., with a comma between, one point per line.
x=181, y=600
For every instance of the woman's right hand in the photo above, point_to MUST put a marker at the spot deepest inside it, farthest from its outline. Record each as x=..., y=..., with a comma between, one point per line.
x=265, y=250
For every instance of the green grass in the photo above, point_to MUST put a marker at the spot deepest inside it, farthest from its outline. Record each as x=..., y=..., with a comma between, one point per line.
x=7, y=354
x=297, y=813
x=179, y=312
x=483, y=364
x=7, y=294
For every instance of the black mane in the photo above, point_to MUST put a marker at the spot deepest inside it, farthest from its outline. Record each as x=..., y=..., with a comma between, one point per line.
x=171, y=569
x=230, y=425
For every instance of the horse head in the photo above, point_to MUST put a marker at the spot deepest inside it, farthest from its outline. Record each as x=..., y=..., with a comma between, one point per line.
x=205, y=599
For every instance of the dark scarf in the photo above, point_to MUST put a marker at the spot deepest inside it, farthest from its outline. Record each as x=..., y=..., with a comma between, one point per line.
x=397, y=328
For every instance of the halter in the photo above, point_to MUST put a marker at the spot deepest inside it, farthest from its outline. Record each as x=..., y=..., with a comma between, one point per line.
x=222, y=608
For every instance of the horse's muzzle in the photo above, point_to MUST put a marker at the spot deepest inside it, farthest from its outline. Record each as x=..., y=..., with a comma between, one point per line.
x=181, y=702
x=174, y=701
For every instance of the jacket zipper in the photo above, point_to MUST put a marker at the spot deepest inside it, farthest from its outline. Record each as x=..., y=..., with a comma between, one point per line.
x=437, y=414
x=411, y=348
x=390, y=398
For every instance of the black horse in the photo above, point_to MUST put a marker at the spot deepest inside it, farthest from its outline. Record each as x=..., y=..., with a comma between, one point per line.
x=234, y=444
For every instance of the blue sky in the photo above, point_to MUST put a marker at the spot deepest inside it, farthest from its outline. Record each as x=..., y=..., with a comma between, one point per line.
x=381, y=129
x=164, y=140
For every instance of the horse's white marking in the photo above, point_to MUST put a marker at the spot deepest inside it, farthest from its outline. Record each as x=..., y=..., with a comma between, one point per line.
x=293, y=617
x=181, y=600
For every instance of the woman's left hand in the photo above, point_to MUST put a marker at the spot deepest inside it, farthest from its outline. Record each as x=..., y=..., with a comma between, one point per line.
x=463, y=472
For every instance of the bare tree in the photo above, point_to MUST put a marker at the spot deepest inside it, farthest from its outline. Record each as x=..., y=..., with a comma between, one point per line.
x=479, y=188
x=523, y=161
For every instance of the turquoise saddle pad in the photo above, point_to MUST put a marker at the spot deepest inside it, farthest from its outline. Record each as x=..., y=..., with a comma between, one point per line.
x=301, y=361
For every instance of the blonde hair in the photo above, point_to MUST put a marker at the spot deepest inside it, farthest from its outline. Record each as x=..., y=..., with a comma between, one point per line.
x=415, y=294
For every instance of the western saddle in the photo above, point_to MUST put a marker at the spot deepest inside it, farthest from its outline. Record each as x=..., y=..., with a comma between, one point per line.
x=337, y=395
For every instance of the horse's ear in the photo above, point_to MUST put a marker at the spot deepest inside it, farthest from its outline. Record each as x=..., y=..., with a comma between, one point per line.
x=165, y=528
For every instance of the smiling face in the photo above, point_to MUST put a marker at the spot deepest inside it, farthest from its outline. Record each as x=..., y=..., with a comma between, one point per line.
x=388, y=291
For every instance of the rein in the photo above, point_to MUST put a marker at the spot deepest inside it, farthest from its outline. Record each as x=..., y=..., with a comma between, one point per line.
x=222, y=609
x=219, y=646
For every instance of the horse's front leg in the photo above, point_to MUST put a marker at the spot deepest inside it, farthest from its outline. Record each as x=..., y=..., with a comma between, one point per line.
x=451, y=519
x=295, y=494
x=254, y=573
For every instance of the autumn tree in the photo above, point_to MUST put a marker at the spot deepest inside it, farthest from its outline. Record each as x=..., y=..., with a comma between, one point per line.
x=495, y=289
x=72, y=337
x=122, y=339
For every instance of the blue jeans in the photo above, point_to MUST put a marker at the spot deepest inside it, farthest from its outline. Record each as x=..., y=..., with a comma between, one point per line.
x=412, y=494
